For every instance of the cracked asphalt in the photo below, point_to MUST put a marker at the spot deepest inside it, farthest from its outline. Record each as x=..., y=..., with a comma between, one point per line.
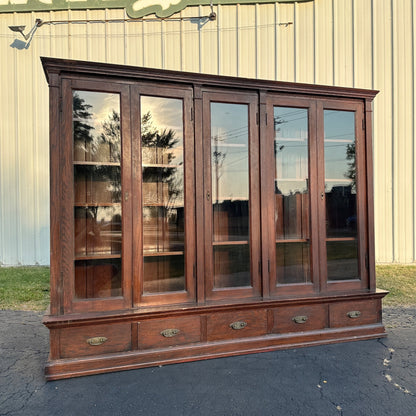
x=376, y=377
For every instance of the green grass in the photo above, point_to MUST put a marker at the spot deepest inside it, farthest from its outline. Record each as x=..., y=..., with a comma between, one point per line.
x=24, y=288
x=400, y=281
x=27, y=288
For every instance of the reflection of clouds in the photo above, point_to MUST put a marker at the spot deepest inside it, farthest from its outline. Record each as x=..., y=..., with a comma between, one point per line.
x=103, y=105
x=166, y=113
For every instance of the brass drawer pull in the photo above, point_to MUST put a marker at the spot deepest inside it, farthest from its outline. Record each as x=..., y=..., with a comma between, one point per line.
x=96, y=341
x=354, y=314
x=169, y=333
x=301, y=319
x=238, y=325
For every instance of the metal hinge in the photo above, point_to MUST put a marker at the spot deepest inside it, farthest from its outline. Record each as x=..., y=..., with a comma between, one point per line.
x=266, y=119
x=367, y=265
x=192, y=114
x=257, y=118
x=363, y=124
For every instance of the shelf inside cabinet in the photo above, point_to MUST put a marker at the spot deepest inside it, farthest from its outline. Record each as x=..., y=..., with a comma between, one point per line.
x=85, y=163
x=163, y=253
x=161, y=165
x=97, y=204
x=292, y=240
x=98, y=257
x=229, y=243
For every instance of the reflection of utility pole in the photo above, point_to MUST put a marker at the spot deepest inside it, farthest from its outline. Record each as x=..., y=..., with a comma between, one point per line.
x=218, y=161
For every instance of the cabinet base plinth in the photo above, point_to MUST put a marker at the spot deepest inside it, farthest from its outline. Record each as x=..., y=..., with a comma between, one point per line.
x=129, y=360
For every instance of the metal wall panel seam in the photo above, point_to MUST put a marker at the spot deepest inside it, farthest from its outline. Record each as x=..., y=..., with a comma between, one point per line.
x=413, y=131
x=256, y=35
x=17, y=161
x=393, y=121
x=314, y=41
x=333, y=42
x=219, y=23
x=200, y=41
x=35, y=176
x=353, y=41
x=276, y=62
x=238, y=19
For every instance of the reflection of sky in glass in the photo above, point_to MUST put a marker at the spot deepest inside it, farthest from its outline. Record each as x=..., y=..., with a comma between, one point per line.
x=102, y=104
x=339, y=130
x=166, y=114
x=229, y=151
x=291, y=149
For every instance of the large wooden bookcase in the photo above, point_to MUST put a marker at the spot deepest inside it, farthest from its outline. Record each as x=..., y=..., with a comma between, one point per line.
x=197, y=216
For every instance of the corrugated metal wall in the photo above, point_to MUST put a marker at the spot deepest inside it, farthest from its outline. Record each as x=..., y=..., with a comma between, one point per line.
x=357, y=43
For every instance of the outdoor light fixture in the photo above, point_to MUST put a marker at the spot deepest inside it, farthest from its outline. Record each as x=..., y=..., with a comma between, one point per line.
x=20, y=29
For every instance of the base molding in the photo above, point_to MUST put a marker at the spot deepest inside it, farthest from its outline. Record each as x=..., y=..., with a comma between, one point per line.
x=66, y=368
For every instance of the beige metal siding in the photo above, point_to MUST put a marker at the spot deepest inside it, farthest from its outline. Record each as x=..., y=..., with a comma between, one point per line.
x=358, y=43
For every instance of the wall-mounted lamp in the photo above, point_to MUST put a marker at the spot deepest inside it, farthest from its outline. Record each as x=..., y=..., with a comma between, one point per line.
x=20, y=29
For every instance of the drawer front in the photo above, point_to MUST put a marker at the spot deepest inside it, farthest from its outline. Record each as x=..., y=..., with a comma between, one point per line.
x=300, y=318
x=94, y=340
x=159, y=333
x=354, y=313
x=237, y=324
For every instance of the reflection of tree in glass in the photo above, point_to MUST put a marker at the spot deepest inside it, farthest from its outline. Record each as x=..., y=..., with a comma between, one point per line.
x=81, y=115
x=352, y=172
x=157, y=147
x=88, y=147
x=111, y=135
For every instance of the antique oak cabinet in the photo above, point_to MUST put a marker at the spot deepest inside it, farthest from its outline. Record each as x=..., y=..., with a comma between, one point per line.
x=197, y=216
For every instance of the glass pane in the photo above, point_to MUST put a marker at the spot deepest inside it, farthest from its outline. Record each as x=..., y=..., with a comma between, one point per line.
x=230, y=180
x=96, y=127
x=342, y=260
x=97, y=184
x=97, y=194
x=163, y=194
x=231, y=266
x=97, y=278
x=291, y=190
x=164, y=273
x=293, y=263
x=230, y=193
x=340, y=194
x=97, y=230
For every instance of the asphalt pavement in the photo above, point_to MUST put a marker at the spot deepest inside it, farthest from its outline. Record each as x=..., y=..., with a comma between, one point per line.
x=376, y=377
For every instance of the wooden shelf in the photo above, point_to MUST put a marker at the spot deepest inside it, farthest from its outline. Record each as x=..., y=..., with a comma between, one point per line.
x=161, y=165
x=229, y=243
x=98, y=257
x=163, y=253
x=96, y=204
x=85, y=163
x=293, y=240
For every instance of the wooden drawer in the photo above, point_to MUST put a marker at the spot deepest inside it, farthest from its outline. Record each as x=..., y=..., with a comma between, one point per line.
x=354, y=313
x=95, y=340
x=160, y=333
x=237, y=324
x=300, y=318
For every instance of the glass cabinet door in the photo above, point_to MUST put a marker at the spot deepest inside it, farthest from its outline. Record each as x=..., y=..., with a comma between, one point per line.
x=97, y=194
x=289, y=155
x=94, y=221
x=166, y=212
x=231, y=197
x=343, y=186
